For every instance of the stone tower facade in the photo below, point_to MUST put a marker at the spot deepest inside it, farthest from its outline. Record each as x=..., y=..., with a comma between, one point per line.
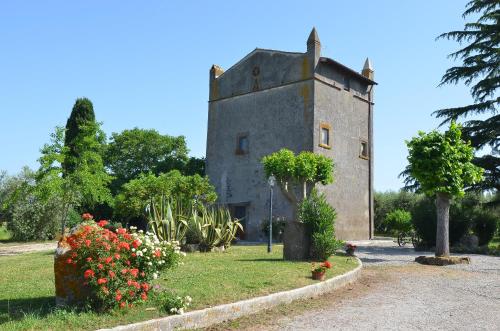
x=301, y=101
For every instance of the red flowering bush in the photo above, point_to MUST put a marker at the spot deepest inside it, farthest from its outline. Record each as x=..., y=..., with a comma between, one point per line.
x=118, y=266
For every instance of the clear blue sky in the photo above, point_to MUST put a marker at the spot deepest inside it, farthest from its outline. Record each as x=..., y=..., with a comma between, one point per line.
x=145, y=64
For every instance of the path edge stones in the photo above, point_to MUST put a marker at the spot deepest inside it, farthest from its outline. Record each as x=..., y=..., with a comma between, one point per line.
x=218, y=314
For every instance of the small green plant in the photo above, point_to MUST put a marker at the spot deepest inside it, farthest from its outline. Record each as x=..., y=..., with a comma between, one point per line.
x=319, y=217
x=167, y=219
x=398, y=221
x=170, y=303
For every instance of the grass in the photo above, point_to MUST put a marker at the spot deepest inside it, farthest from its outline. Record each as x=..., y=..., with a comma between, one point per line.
x=27, y=286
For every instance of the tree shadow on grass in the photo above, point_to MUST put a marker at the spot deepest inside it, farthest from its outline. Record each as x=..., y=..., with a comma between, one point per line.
x=17, y=309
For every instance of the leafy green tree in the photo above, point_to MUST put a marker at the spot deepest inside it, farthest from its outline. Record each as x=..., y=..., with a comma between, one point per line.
x=140, y=151
x=479, y=69
x=137, y=193
x=441, y=163
x=195, y=166
x=86, y=186
x=298, y=173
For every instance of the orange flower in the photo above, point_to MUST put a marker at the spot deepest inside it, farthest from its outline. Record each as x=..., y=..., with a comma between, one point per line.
x=134, y=272
x=102, y=223
x=108, y=259
x=89, y=273
x=112, y=274
x=87, y=216
x=144, y=296
x=122, y=304
x=121, y=231
x=101, y=281
x=157, y=253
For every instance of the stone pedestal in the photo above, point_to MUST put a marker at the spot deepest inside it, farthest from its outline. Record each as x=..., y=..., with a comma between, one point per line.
x=68, y=279
x=296, y=242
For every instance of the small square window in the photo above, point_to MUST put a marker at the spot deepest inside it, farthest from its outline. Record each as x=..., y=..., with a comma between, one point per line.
x=324, y=135
x=242, y=144
x=363, y=149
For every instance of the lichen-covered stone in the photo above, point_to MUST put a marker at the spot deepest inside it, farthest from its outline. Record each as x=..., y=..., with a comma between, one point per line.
x=70, y=289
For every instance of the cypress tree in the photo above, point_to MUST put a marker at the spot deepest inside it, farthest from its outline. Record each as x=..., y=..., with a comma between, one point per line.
x=480, y=69
x=81, y=116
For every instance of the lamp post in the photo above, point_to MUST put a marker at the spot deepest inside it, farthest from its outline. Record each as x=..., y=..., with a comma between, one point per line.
x=271, y=181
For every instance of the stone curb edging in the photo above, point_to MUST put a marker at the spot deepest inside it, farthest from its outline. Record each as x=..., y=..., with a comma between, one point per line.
x=218, y=314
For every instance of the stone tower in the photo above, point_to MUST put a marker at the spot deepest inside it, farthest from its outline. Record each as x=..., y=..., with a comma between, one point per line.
x=301, y=101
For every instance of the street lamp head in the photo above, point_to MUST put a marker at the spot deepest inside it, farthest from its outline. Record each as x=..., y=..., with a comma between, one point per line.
x=271, y=181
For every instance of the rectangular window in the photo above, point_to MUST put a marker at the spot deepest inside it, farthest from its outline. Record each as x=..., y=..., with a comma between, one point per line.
x=363, y=149
x=324, y=135
x=242, y=144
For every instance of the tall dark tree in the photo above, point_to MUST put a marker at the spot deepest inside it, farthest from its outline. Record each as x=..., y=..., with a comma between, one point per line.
x=480, y=70
x=82, y=116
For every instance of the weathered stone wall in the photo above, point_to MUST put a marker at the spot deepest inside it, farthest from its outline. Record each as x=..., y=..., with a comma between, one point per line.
x=348, y=118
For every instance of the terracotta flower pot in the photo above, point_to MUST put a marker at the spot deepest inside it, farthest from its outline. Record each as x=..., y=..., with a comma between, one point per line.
x=318, y=275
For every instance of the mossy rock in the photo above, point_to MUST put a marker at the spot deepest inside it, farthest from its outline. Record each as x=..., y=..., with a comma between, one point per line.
x=442, y=260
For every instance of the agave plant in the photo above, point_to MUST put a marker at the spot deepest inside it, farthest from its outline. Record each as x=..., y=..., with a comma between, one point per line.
x=213, y=227
x=167, y=219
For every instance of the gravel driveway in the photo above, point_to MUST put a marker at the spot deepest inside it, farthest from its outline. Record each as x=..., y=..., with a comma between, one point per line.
x=412, y=297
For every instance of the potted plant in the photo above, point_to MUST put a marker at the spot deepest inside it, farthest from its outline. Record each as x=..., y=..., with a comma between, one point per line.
x=318, y=271
x=350, y=249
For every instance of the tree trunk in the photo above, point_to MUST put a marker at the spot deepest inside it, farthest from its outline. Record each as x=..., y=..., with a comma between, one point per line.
x=443, y=221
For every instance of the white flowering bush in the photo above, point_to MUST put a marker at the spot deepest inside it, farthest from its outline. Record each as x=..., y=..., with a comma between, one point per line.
x=153, y=254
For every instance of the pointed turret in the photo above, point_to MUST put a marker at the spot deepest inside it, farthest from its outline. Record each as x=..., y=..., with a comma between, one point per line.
x=215, y=71
x=368, y=69
x=313, y=49
x=313, y=38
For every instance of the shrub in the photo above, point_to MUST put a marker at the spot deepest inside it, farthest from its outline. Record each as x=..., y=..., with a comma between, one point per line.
x=324, y=245
x=118, y=266
x=398, y=221
x=386, y=202
x=484, y=225
x=319, y=217
x=137, y=193
x=34, y=219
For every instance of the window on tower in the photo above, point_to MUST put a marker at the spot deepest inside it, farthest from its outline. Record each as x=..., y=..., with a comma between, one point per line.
x=324, y=135
x=363, y=149
x=242, y=144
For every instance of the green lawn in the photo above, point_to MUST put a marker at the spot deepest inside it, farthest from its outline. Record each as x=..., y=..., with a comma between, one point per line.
x=27, y=286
